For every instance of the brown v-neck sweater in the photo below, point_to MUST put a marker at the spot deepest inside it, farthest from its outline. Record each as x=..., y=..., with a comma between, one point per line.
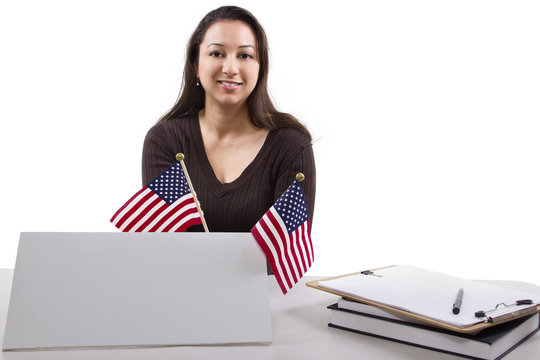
x=235, y=206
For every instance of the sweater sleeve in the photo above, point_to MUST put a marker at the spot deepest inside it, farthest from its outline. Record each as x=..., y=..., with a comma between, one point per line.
x=158, y=153
x=303, y=161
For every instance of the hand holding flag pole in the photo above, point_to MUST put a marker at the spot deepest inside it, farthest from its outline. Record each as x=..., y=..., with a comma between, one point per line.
x=180, y=157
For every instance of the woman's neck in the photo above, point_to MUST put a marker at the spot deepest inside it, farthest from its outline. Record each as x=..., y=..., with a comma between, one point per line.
x=225, y=122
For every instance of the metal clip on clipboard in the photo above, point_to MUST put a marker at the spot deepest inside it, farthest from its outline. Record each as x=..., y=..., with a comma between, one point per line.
x=369, y=272
x=507, y=315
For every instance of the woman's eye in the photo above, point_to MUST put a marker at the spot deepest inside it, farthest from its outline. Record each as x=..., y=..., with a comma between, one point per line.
x=215, y=54
x=246, y=56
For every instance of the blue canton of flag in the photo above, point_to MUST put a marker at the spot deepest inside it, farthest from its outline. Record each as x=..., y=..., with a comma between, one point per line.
x=283, y=235
x=165, y=204
x=171, y=184
x=291, y=207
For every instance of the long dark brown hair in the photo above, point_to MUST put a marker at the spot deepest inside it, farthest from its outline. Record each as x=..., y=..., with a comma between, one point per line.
x=261, y=110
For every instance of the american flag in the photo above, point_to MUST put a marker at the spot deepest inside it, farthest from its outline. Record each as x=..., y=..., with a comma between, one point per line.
x=164, y=205
x=283, y=235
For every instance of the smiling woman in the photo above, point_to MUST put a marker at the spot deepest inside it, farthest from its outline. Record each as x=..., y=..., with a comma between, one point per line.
x=228, y=67
x=241, y=152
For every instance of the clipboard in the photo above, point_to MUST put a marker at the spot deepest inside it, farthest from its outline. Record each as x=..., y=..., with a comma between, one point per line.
x=470, y=329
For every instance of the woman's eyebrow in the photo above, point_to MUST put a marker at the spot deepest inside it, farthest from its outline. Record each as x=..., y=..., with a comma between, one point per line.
x=240, y=46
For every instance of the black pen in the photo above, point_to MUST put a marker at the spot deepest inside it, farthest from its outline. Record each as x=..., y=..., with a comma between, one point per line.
x=457, y=304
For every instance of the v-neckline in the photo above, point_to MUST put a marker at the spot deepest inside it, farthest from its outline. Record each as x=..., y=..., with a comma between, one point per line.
x=222, y=188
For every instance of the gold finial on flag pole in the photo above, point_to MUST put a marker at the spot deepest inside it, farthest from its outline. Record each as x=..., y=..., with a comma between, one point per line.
x=180, y=157
x=300, y=177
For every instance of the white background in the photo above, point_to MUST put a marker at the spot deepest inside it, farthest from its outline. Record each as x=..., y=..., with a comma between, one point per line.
x=428, y=112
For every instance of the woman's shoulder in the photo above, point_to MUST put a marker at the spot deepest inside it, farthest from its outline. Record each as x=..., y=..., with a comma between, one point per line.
x=289, y=144
x=173, y=126
x=291, y=137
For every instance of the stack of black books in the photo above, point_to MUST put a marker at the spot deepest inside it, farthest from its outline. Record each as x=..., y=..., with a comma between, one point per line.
x=491, y=343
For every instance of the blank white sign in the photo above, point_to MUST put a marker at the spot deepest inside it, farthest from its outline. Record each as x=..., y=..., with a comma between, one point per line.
x=142, y=289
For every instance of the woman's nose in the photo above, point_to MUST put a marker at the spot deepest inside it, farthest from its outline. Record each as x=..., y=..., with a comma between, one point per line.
x=230, y=66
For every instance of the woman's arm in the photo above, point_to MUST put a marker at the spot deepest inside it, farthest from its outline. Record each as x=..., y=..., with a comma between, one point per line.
x=157, y=154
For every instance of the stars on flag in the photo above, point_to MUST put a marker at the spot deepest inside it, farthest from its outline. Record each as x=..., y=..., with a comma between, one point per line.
x=291, y=207
x=171, y=184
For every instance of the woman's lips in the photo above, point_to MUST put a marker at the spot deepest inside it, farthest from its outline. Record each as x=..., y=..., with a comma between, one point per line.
x=229, y=85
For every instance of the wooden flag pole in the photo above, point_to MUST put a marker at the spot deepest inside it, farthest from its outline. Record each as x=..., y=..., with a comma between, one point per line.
x=180, y=157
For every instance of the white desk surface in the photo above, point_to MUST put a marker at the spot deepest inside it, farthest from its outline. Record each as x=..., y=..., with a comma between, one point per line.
x=299, y=324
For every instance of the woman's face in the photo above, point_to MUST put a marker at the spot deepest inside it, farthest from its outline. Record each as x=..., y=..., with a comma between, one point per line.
x=228, y=65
